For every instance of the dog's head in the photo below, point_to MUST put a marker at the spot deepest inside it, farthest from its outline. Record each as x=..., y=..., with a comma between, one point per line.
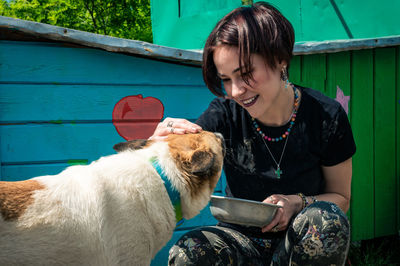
x=192, y=162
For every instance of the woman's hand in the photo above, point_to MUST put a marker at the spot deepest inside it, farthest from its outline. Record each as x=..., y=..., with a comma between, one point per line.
x=291, y=205
x=174, y=126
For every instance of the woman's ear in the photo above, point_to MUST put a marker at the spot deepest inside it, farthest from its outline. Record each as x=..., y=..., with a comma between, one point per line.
x=280, y=64
x=135, y=144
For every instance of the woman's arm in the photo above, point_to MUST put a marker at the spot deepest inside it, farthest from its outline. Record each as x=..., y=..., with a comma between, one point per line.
x=337, y=190
x=338, y=184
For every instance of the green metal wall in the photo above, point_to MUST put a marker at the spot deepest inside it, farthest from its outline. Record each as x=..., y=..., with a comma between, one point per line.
x=372, y=80
x=176, y=27
x=187, y=23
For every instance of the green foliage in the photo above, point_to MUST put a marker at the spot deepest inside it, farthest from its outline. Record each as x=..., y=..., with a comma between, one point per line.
x=128, y=19
x=379, y=251
x=247, y=2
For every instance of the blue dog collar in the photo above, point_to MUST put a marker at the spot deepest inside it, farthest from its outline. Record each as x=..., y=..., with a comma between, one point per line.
x=173, y=194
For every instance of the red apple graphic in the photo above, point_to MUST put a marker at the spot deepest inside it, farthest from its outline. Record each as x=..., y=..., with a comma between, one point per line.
x=136, y=117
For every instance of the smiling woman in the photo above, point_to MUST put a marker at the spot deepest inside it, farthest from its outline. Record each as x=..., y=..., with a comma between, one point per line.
x=285, y=144
x=264, y=96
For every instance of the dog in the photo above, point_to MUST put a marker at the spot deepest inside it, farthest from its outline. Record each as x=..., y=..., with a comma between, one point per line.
x=118, y=210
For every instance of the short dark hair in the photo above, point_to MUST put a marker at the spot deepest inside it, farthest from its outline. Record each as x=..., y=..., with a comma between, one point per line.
x=257, y=29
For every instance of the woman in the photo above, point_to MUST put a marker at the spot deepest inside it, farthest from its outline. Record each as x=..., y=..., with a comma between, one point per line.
x=286, y=145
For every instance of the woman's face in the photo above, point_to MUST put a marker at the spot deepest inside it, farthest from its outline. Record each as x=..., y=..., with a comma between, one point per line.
x=262, y=94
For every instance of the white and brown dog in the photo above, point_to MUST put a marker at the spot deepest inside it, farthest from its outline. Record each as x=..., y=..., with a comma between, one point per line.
x=115, y=211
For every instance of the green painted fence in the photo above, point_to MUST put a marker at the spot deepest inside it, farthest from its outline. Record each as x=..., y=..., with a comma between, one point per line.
x=372, y=80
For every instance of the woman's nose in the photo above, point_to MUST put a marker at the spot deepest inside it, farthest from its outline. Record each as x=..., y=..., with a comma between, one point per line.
x=238, y=88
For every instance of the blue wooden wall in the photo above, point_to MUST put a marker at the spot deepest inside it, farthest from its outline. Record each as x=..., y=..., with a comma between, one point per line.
x=56, y=104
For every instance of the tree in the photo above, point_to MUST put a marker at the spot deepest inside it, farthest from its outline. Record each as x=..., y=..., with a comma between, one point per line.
x=128, y=19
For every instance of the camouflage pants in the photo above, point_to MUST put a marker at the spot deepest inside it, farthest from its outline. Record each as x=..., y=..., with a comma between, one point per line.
x=319, y=235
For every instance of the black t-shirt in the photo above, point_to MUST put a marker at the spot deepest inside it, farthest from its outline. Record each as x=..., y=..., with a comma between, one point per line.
x=321, y=136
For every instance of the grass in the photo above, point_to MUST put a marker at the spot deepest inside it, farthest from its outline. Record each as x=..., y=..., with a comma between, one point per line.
x=378, y=251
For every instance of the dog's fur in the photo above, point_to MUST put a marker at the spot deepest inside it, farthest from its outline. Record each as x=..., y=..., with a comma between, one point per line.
x=115, y=211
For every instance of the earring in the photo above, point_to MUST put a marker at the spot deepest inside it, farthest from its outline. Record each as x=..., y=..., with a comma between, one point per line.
x=284, y=76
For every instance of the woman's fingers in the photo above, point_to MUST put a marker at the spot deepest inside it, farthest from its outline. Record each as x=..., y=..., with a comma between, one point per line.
x=274, y=223
x=279, y=222
x=273, y=199
x=183, y=125
x=174, y=130
x=174, y=126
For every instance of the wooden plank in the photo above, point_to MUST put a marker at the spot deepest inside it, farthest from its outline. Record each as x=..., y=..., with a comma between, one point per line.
x=398, y=134
x=338, y=73
x=26, y=62
x=108, y=43
x=57, y=142
x=1, y=165
x=334, y=46
x=23, y=172
x=384, y=118
x=362, y=200
x=338, y=76
x=338, y=79
x=314, y=71
x=295, y=70
x=21, y=102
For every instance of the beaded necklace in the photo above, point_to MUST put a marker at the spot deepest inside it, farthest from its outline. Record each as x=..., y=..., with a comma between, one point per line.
x=278, y=172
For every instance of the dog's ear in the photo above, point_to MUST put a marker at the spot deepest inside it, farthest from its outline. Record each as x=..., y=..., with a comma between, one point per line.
x=135, y=144
x=201, y=161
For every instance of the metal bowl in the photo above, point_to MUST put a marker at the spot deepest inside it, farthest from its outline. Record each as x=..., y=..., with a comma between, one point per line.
x=241, y=211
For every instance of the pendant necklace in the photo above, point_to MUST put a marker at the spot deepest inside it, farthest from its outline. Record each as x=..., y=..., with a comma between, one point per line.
x=278, y=172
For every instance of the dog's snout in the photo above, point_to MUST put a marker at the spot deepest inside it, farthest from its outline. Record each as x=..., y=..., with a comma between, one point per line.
x=219, y=135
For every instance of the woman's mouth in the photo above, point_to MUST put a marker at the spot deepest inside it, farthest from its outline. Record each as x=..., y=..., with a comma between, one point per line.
x=249, y=102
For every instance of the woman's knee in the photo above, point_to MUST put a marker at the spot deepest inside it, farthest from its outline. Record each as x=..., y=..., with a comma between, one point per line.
x=213, y=245
x=321, y=232
x=326, y=216
x=190, y=248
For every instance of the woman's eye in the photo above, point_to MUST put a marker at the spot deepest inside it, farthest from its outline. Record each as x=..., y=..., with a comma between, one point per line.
x=247, y=74
x=225, y=80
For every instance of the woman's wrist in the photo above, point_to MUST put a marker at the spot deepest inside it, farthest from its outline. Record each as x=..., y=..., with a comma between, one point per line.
x=306, y=200
x=298, y=203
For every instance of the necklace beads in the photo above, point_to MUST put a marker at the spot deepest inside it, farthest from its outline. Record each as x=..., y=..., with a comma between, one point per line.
x=291, y=123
